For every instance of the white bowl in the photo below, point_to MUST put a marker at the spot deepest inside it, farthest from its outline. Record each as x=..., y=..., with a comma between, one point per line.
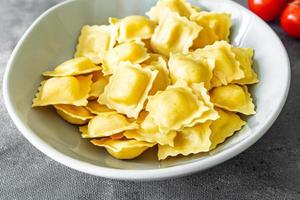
x=51, y=40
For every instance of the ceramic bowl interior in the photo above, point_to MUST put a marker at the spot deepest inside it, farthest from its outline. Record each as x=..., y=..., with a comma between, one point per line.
x=52, y=39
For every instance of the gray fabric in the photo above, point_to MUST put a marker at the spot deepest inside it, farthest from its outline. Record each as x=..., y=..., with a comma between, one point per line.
x=270, y=169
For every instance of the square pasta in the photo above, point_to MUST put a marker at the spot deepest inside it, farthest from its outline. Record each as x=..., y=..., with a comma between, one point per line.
x=234, y=98
x=174, y=34
x=74, y=114
x=134, y=52
x=123, y=149
x=245, y=57
x=175, y=108
x=133, y=28
x=76, y=66
x=149, y=132
x=94, y=41
x=190, y=140
x=162, y=79
x=191, y=69
x=227, y=67
x=216, y=27
x=224, y=127
x=64, y=90
x=107, y=124
x=96, y=108
x=163, y=7
x=98, y=85
x=128, y=89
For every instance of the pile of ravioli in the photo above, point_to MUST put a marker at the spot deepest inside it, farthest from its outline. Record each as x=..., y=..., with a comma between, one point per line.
x=170, y=80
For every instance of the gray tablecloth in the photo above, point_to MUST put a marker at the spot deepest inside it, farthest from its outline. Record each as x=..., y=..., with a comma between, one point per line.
x=270, y=169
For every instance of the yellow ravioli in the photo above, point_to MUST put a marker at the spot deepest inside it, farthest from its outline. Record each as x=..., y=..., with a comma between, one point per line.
x=162, y=79
x=163, y=7
x=191, y=140
x=74, y=66
x=233, y=98
x=224, y=127
x=128, y=89
x=202, y=94
x=191, y=69
x=245, y=56
x=74, y=114
x=174, y=34
x=133, y=28
x=134, y=52
x=96, y=108
x=175, y=107
x=123, y=149
x=106, y=124
x=97, y=87
x=149, y=132
x=94, y=41
x=216, y=27
x=227, y=68
x=63, y=90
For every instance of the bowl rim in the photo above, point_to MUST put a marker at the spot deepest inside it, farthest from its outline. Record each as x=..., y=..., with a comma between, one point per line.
x=146, y=174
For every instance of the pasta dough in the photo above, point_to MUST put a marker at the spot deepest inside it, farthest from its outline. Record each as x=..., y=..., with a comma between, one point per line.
x=224, y=127
x=134, y=52
x=174, y=34
x=94, y=41
x=190, y=69
x=175, y=107
x=163, y=7
x=233, y=98
x=227, y=68
x=74, y=66
x=133, y=28
x=74, y=114
x=191, y=140
x=123, y=149
x=63, y=90
x=216, y=27
x=106, y=124
x=128, y=89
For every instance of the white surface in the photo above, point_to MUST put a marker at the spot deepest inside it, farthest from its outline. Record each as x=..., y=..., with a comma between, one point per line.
x=51, y=40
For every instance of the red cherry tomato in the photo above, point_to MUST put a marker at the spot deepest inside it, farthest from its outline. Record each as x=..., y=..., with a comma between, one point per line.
x=267, y=9
x=290, y=19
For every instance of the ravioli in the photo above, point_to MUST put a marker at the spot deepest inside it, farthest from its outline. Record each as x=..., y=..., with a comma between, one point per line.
x=216, y=27
x=174, y=34
x=191, y=140
x=123, y=149
x=74, y=66
x=74, y=114
x=188, y=68
x=94, y=41
x=163, y=7
x=98, y=86
x=134, y=52
x=128, y=89
x=162, y=79
x=227, y=68
x=233, y=98
x=106, y=124
x=202, y=94
x=224, y=127
x=175, y=107
x=149, y=132
x=245, y=56
x=63, y=90
x=96, y=108
x=133, y=28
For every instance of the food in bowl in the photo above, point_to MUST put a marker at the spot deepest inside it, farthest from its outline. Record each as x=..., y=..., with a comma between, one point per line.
x=172, y=80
